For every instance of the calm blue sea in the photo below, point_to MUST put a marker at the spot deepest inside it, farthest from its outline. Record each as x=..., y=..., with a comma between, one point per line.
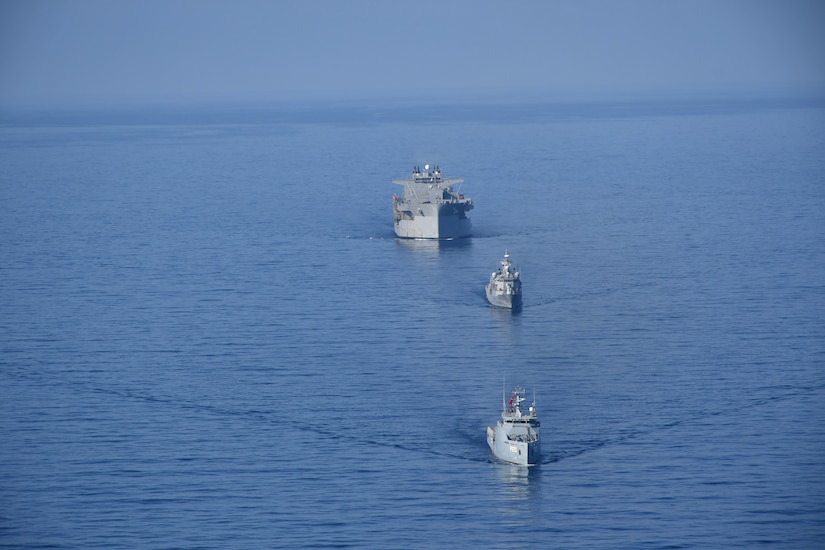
x=210, y=338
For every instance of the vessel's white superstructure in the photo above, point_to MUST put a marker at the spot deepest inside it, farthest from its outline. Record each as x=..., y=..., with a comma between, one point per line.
x=430, y=208
x=515, y=438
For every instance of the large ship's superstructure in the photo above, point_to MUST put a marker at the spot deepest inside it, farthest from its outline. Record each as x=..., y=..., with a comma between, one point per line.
x=504, y=288
x=515, y=438
x=430, y=208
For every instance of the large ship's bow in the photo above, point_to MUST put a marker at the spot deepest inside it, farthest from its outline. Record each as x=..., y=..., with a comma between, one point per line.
x=430, y=208
x=453, y=222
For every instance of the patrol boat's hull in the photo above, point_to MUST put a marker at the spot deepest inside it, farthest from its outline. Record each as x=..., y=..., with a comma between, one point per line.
x=504, y=288
x=523, y=453
x=432, y=221
x=503, y=297
x=515, y=438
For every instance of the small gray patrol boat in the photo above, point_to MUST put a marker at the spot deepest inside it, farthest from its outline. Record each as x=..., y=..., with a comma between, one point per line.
x=515, y=438
x=430, y=208
x=504, y=288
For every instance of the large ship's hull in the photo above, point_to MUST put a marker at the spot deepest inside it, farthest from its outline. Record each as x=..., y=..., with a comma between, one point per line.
x=499, y=299
x=432, y=221
x=516, y=452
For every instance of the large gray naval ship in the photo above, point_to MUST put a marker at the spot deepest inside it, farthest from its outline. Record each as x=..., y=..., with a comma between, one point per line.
x=515, y=437
x=504, y=288
x=430, y=208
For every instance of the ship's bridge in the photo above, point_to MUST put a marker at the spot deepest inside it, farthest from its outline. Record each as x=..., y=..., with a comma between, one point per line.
x=426, y=176
x=431, y=178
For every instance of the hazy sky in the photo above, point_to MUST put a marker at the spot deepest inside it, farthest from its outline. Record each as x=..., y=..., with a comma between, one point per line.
x=113, y=51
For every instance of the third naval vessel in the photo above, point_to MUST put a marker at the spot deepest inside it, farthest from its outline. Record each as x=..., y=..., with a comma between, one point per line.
x=504, y=288
x=430, y=208
x=515, y=437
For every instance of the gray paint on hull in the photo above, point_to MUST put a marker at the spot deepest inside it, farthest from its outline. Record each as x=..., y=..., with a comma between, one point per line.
x=516, y=436
x=510, y=301
x=434, y=222
x=504, y=287
x=430, y=208
x=516, y=452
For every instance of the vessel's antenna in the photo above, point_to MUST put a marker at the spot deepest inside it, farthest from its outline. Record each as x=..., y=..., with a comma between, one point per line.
x=503, y=390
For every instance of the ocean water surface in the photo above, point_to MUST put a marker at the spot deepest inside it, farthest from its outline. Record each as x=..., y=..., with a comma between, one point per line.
x=210, y=338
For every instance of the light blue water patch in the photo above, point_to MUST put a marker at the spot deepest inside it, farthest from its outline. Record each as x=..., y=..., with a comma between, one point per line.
x=209, y=336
